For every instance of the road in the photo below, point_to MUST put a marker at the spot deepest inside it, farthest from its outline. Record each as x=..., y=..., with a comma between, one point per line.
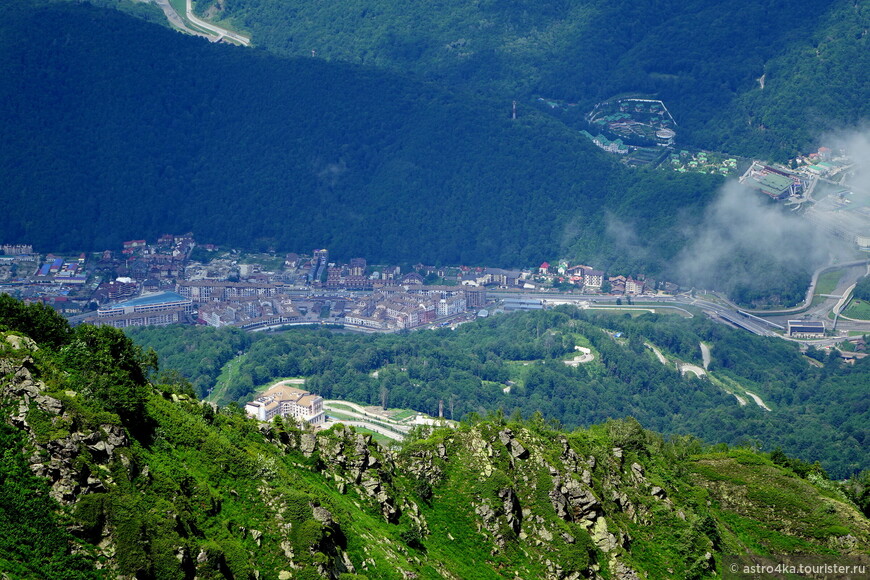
x=221, y=32
x=854, y=270
x=721, y=309
x=365, y=425
x=705, y=355
x=358, y=414
x=758, y=401
x=176, y=20
x=728, y=313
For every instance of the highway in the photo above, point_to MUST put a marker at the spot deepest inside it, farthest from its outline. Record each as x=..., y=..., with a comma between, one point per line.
x=727, y=313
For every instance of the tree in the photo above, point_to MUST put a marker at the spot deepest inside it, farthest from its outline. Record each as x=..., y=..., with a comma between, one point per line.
x=39, y=322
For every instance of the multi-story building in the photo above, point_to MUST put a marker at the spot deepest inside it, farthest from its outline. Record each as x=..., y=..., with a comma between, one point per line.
x=451, y=306
x=285, y=401
x=152, y=310
x=593, y=278
x=633, y=286
x=474, y=297
x=16, y=249
x=218, y=290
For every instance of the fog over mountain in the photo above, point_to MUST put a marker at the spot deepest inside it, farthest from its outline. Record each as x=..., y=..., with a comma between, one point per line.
x=741, y=231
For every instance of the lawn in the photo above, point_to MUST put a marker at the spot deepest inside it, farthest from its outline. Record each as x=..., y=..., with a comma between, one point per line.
x=828, y=282
x=859, y=309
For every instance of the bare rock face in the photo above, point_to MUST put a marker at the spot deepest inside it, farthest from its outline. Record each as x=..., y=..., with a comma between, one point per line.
x=569, y=457
x=307, y=444
x=513, y=511
x=637, y=473
x=517, y=451
x=19, y=342
x=573, y=501
x=623, y=572
x=56, y=459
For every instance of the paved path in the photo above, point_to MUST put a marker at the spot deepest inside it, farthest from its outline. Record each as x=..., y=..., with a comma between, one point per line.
x=586, y=356
x=176, y=20
x=659, y=354
x=705, y=356
x=359, y=412
x=221, y=32
x=694, y=369
x=370, y=426
x=758, y=401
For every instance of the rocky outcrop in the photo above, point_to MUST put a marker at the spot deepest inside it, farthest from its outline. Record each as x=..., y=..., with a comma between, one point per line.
x=513, y=511
x=516, y=449
x=70, y=458
x=350, y=458
x=573, y=501
x=55, y=459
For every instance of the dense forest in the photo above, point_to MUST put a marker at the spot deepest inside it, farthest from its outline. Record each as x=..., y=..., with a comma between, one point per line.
x=706, y=60
x=108, y=139
x=516, y=363
x=112, y=468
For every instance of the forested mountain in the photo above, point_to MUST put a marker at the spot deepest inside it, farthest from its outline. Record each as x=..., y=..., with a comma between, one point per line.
x=707, y=60
x=516, y=363
x=110, y=470
x=118, y=129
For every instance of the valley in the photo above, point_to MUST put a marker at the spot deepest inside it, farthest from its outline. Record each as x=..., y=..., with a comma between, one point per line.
x=372, y=290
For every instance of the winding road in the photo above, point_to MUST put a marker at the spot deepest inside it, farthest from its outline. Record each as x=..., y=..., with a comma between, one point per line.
x=221, y=32
x=178, y=22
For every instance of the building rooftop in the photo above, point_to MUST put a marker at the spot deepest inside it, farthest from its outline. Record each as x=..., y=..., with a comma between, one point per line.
x=159, y=298
x=807, y=324
x=771, y=183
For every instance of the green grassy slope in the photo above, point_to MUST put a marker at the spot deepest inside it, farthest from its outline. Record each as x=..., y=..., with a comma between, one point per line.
x=143, y=480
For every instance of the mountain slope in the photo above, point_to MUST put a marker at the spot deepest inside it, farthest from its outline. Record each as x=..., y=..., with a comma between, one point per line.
x=516, y=362
x=155, y=484
x=704, y=59
x=118, y=129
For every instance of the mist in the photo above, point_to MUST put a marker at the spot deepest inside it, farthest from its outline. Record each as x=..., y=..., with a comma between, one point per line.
x=754, y=249
x=857, y=145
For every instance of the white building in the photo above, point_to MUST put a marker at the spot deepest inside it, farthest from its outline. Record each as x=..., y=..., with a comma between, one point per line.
x=286, y=401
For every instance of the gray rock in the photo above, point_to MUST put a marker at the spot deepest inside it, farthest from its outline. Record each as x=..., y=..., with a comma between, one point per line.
x=307, y=444
x=322, y=515
x=512, y=509
x=637, y=472
x=506, y=436
x=49, y=404
x=21, y=342
x=572, y=501
x=623, y=572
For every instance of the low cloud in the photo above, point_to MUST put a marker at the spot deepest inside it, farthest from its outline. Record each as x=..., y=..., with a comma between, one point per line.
x=623, y=237
x=741, y=226
x=856, y=145
x=745, y=239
